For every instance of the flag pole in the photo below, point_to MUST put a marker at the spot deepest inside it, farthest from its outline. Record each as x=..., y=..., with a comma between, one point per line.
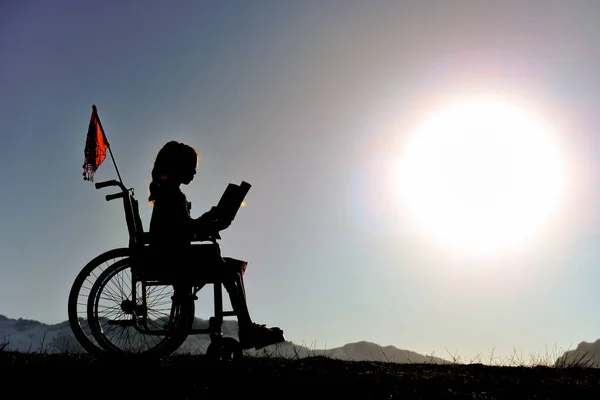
x=95, y=110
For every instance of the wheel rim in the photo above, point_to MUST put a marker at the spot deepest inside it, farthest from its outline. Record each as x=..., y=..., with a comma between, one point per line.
x=79, y=295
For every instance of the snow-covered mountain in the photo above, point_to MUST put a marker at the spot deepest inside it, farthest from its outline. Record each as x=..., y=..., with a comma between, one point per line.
x=32, y=336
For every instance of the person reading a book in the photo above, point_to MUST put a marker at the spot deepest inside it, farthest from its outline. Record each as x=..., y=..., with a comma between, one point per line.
x=172, y=231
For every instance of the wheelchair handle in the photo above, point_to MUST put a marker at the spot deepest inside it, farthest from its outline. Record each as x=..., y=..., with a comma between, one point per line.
x=110, y=197
x=100, y=185
x=113, y=182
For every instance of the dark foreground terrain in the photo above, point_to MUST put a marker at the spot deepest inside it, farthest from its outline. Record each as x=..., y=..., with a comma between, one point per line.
x=193, y=377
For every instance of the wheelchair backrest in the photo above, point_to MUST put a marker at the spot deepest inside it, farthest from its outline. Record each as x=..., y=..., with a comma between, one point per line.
x=135, y=228
x=137, y=236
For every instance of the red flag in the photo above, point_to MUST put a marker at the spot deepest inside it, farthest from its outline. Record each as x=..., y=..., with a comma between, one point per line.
x=95, y=147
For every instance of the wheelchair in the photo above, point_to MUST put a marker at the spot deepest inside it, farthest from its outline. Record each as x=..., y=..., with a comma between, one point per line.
x=122, y=303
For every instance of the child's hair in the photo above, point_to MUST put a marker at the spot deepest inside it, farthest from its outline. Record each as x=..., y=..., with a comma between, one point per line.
x=173, y=158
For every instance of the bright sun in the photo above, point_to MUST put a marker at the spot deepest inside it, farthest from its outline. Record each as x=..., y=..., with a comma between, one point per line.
x=482, y=177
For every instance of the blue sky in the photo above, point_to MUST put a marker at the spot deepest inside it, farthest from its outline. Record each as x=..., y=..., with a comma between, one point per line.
x=309, y=102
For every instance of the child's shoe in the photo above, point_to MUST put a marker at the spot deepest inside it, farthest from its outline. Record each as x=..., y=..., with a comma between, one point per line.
x=259, y=336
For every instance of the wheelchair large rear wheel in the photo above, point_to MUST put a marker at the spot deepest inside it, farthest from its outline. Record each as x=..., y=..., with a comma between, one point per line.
x=152, y=323
x=79, y=294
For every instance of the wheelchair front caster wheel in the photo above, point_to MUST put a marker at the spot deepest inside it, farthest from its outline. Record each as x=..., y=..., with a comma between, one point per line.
x=224, y=349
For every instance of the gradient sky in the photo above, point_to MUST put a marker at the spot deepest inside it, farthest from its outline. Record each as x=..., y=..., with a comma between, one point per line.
x=307, y=101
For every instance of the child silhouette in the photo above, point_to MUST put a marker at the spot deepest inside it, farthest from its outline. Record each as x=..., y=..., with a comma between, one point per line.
x=172, y=231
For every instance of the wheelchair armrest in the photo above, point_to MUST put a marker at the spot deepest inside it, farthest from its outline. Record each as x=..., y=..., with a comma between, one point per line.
x=206, y=239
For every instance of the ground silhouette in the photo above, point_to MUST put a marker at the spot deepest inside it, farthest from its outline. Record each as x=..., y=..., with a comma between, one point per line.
x=195, y=377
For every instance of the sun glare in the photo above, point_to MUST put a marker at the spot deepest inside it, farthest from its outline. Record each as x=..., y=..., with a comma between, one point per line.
x=482, y=177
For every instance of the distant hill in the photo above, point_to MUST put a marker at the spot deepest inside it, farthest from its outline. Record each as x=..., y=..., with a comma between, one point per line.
x=585, y=355
x=26, y=335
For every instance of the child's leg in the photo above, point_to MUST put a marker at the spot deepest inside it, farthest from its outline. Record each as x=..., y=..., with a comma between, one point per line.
x=237, y=296
x=250, y=334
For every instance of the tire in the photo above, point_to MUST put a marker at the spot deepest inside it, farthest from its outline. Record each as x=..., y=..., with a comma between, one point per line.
x=79, y=294
x=225, y=349
x=113, y=315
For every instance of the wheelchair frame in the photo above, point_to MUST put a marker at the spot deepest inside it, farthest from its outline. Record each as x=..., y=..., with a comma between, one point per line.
x=98, y=272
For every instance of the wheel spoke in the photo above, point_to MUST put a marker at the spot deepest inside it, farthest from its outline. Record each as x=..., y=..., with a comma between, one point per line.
x=79, y=295
x=117, y=313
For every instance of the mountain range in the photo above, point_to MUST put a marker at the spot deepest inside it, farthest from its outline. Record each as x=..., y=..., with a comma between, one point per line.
x=25, y=335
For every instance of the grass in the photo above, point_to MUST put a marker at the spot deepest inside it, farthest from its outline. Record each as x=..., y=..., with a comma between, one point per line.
x=268, y=376
x=555, y=358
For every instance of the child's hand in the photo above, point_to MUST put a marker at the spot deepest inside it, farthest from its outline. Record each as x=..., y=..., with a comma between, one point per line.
x=223, y=224
x=210, y=215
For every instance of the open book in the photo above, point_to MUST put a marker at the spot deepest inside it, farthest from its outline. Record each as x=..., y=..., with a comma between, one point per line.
x=231, y=200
